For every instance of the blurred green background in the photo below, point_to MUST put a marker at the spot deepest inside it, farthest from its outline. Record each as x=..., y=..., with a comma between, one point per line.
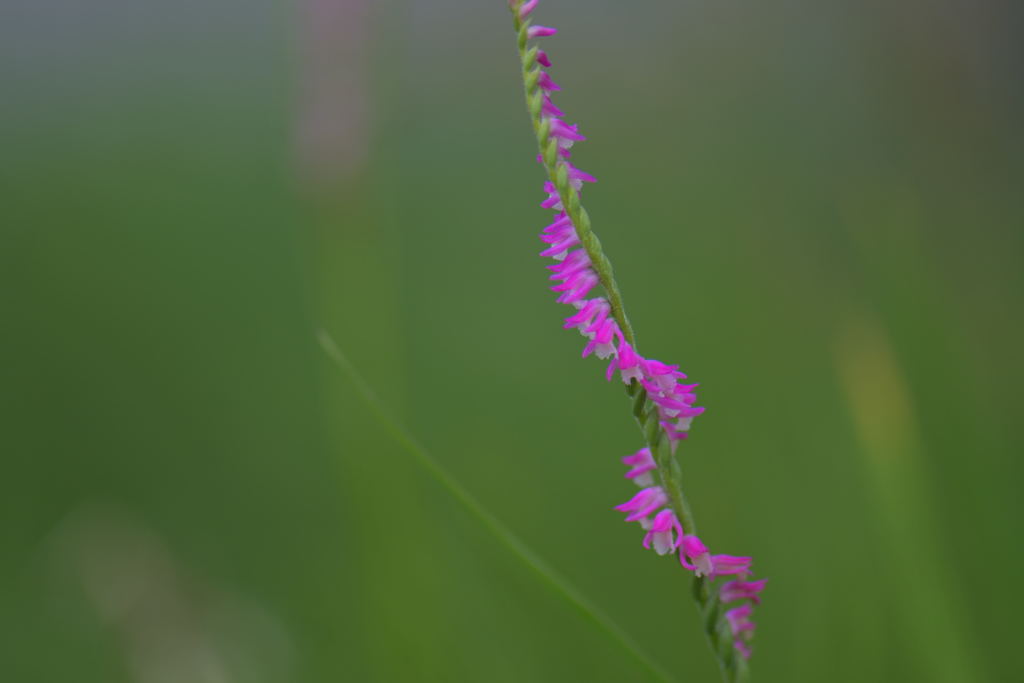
x=815, y=207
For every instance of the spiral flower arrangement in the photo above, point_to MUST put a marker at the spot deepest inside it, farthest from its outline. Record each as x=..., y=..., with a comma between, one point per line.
x=663, y=398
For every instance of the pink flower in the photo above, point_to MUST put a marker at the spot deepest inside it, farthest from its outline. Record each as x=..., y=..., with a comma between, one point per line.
x=696, y=552
x=547, y=107
x=641, y=463
x=578, y=177
x=643, y=503
x=674, y=400
x=575, y=262
x=591, y=313
x=526, y=8
x=742, y=628
x=561, y=236
x=553, y=201
x=576, y=286
x=724, y=565
x=546, y=84
x=675, y=406
x=678, y=431
x=577, y=277
x=665, y=533
x=662, y=375
x=737, y=589
x=539, y=31
x=602, y=343
x=559, y=228
x=739, y=619
x=702, y=563
x=564, y=133
x=627, y=361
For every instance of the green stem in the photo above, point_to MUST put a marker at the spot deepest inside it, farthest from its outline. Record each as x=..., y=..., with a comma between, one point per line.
x=646, y=414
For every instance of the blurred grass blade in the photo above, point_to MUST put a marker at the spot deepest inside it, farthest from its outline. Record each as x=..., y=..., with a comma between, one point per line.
x=560, y=584
x=881, y=406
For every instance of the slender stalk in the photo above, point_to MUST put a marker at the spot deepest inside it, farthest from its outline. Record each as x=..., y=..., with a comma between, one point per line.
x=646, y=414
x=503, y=534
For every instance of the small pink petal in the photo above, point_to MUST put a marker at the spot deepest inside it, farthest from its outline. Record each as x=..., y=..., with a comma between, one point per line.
x=526, y=8
x=540, y=31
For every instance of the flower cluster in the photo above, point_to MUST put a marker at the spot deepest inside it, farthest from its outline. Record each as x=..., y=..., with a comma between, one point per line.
x=665, y=533
x=575, y=276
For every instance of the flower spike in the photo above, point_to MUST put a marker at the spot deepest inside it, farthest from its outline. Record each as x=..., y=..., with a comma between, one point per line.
x=663, y=405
